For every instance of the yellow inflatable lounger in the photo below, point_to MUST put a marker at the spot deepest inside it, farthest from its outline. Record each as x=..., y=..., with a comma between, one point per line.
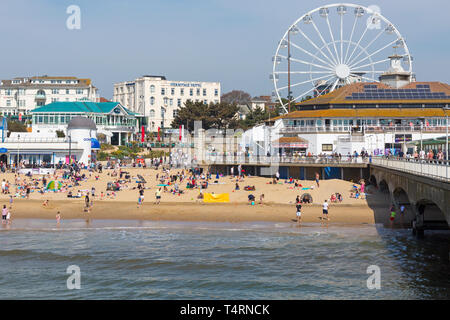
x=221, y=197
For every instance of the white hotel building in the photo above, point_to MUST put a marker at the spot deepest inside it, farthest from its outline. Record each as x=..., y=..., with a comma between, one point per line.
x=158, y=99
x=21, y=95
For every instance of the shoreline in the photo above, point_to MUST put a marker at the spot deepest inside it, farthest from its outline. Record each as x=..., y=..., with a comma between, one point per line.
x=349, y=214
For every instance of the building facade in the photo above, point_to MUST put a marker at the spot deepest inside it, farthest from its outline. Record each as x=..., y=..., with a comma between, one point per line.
x=158, y=99
x=117, y=123
x=22, y=95
x=30, y=149
x=372, y=117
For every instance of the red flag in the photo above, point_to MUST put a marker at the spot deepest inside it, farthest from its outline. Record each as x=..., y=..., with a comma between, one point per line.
x=180, y=132
x=142, y=134
x=158, y=132
x=20, y=117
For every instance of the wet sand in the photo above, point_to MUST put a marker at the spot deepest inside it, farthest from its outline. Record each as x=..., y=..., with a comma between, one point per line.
x=278, y=204
x=231, y=212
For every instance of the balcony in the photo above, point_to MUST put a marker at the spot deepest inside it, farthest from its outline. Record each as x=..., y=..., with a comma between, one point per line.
x=40, y=96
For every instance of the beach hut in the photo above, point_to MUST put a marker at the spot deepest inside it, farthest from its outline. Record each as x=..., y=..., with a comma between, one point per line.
x=54, y=185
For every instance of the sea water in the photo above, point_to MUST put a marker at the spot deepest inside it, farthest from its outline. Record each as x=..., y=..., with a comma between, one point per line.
x=196, y=260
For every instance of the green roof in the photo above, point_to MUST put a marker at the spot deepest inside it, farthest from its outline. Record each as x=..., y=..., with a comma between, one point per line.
x=80, y=107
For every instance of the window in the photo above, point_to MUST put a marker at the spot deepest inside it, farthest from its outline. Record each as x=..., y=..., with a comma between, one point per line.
x=216, y=92
x=166, y=100
x=55, y=91
x=205, y=101
x=175, y=113
x=8, y=92
x=152, y=100
x=21, y=92
x=182, y=91
x=198, y=91
x=172, y=91
x=152, y=89
x=8, y=103
x=152, y=113
x=178, y=102
x=191, y=92
x=80, y=91
x=67, y=91
x=327, y=147
x=171, y=102
x=163, y=91
x=204, y=92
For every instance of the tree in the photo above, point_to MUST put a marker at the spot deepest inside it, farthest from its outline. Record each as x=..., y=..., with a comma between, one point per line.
x=16, y=126
x=220, y=115
x=254, y=117
x=60, y=134
x=236, y=97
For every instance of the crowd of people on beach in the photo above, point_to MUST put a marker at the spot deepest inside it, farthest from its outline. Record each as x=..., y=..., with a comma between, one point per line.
x=169, y=181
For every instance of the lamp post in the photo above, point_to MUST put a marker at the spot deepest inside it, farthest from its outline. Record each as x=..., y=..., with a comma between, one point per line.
x=446, y=133
x=293, y=30
x=18, y=151
x=70, y=150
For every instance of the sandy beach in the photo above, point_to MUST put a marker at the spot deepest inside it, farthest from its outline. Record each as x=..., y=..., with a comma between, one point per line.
x=278, y=204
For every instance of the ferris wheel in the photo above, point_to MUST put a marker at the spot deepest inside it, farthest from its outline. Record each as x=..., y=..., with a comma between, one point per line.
x=332, y=46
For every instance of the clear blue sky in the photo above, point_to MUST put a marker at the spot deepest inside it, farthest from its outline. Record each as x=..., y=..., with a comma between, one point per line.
x=231, y=41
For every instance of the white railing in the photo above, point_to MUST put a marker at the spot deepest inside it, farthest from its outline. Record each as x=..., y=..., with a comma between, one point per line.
x=33, y=140
x=435, y=169
x=212, y=158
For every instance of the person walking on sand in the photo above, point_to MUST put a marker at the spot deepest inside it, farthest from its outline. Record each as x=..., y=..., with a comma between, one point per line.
x=141, y=197
x=87, y=202
x=317, y=179
x=261, y=198
x=299, y=213
x=325, y=211
x=158, y=196
x=58, y=218
x=4, y=214
x=11, y=202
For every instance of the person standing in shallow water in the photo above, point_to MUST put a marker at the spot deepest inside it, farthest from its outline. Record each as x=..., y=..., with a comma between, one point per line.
x=393, y=214
x=299, y=213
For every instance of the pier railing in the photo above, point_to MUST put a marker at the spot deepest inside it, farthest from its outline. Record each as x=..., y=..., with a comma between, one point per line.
x=437, y=169
x=267, y=160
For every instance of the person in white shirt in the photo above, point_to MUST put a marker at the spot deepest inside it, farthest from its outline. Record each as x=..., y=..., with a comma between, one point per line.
x=325, y=210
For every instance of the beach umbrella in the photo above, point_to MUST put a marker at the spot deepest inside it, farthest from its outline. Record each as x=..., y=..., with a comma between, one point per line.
x=54, y=185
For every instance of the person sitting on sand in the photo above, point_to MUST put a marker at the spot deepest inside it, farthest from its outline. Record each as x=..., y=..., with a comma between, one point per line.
x=333, y=198
x=251, y=198
x=236, y=187
x=45, y=203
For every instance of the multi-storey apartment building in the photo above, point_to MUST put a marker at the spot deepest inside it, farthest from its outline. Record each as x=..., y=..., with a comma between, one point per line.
x=158, y=99
x=22, y=95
